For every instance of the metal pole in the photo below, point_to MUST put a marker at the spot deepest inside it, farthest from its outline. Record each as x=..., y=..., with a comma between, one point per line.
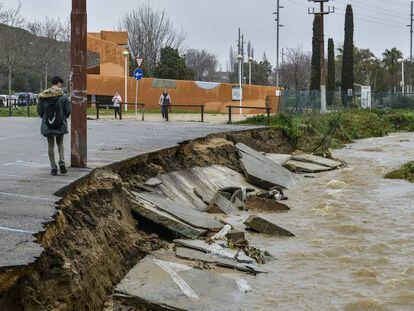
x=240, y=86
x=411, y=30
x=79, y=86
x=136, y=99
x=277, y=41
x=322, y=43
x=403, y=79
x=126, y=82
x=250, y=72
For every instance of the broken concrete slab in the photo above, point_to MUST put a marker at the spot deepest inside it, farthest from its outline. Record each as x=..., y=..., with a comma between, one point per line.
x=193, y=254
x=317, y=160
x=153, y=182
x=236, y=236
x=196, y=255
x=262, y=171
x=254, y=202
x=182, y=211
x=262, y=225
x=148, y=211
x=220, y=204
x=278, y=158
x=215, y=249
x=164, y=285
x=306, y=167
x=198, y=186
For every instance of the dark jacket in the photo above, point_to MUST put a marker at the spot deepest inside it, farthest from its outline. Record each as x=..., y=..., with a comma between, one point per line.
x=54, y=96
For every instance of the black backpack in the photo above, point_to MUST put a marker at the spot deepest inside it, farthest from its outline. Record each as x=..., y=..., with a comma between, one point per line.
x=54, y=115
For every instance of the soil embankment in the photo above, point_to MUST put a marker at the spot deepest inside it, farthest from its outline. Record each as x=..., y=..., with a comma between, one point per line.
x=95, y=239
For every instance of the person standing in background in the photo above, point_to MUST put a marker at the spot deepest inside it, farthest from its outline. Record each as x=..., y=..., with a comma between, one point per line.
x=117, y=100
x=165, y=102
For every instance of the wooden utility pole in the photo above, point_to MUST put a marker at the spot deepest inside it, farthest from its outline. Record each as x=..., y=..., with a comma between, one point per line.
x=322, y=13
x=78, y=84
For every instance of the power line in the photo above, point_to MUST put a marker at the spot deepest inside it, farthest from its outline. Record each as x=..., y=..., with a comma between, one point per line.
x=377, y=9
x=374, y=20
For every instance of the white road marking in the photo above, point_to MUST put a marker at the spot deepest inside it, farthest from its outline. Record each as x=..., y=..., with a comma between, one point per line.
x=169, y=268
x=243, y=286
x=25, y=196
x=26, y=163
x=15, y=230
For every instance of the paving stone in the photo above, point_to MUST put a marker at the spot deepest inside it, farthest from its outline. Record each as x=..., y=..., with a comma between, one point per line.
x=236, y=236
x=215, y=249
x=259, y=224
x=223, y=205
x=306, y=167
x=163, y=285
x=254, y=202
x=317, y=160
x=153, y=182
x=182, y=211
x=164, y=219
x=262, y=171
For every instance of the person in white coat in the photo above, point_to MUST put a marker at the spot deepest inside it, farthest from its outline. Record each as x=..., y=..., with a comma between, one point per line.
x=117, y=100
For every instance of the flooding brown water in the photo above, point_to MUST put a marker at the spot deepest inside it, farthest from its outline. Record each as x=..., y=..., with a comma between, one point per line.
x=354, y=248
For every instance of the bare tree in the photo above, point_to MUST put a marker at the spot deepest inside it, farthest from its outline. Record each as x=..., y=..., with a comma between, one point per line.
x=203, y=64
x=296, y=68
x=149, y=31
x=232, y=60
x=13, y=42
x=48, y=51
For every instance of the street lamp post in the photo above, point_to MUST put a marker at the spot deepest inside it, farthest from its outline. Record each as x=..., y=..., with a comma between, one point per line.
x=250, y=70
x=240, y=59
x=402, y=61
x=126, y=56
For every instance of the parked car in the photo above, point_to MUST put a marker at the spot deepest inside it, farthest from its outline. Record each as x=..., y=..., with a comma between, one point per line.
x=3, y=101
x=24, y=99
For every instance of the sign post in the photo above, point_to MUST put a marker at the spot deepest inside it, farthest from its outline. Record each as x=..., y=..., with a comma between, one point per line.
x=138, y=74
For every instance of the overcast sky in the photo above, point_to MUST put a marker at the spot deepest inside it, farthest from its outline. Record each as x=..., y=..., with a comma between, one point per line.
x=213, y=24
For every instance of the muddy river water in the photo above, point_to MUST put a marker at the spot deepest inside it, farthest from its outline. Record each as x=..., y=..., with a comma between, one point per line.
x=354, y=248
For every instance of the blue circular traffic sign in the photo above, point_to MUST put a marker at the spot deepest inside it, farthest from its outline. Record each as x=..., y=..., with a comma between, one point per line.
x=138, y=74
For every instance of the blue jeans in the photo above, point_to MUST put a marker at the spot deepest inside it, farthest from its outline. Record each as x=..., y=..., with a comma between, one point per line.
x=164, y=111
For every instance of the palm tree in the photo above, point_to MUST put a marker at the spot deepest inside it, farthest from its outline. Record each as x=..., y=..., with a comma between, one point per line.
x=391, y=57
x=390, y=60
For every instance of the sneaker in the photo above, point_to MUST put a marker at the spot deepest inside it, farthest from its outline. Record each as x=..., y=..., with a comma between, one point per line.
x=62, y=167
x=54, y=171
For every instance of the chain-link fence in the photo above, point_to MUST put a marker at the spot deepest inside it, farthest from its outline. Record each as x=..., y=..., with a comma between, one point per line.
x=297, y=102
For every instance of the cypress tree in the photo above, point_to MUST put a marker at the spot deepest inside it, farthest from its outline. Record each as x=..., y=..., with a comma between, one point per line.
x=348, y=57
x=330, y=87
x=316, y=55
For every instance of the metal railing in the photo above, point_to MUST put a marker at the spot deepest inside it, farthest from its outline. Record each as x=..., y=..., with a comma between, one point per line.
x=202, y=107
x=268, y=109
x=101, y=106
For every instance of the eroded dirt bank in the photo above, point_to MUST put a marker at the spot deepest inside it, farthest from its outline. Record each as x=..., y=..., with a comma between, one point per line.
x=96, y=240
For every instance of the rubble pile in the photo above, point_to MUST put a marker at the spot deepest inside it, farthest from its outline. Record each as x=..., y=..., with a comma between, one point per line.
x=195, y=205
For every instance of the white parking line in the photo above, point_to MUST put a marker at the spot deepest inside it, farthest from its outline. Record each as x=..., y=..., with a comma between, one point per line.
x=15, y=230
x=26, y=163
x=25, y=196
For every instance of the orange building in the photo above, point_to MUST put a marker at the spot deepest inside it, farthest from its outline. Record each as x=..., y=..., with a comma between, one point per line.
x=109, y=77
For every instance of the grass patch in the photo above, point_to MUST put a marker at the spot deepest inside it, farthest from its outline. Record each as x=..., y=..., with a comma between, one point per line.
x=405, y=172
x=18, y=112
x=317, y=133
